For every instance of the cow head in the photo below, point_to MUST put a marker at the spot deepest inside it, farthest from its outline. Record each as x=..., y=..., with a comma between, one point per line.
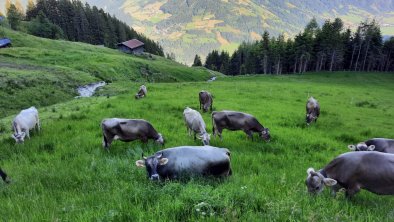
x=361, y=147
x=160, y=140
x=151, y=163
x=19, y=137
x=265, y=134
x=205, y=138
x=310, y=117
x=315, y=181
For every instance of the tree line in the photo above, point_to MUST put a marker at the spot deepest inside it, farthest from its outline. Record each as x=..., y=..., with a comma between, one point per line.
x=75, y=21
x=330, y=47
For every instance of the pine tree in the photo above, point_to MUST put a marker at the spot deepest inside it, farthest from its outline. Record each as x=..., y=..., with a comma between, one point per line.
x=14, y=17
x=197, y=61
x=30, y=9
x=19, y=7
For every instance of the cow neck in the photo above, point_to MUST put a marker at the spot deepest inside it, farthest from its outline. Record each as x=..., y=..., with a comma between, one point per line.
x=323, y=172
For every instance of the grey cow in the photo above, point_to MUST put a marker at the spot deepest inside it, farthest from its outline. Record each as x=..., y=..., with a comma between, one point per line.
x=128, y=130
x=312, y=110
x=233, y=121
x=372, y=171
x=376, y=144
x=195, y=123
x=186, y=161
x=26, y=120
x=142, y=92
x=3, y=176
x=206, y=100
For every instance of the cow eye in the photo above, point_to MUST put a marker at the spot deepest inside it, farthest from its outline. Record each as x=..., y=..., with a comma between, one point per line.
x=317, y=188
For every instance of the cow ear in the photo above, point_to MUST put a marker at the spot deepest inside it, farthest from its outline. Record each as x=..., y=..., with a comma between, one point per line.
x=352, y=147
x=329, y=182
x=163, y=161
x=371, y=147
x=310, y=171
x=140, y=163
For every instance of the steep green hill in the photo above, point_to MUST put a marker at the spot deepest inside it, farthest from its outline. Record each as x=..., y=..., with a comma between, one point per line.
x=41, y=72
x=202, y=25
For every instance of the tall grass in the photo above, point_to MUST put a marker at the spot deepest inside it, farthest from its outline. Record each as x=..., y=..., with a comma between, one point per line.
x=63, y=173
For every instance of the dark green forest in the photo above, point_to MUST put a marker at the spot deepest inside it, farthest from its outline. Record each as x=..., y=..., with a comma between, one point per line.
x=326, y=48
x=75, y=21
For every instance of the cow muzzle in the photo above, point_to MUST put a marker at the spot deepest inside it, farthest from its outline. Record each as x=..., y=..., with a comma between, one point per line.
x=155, y=177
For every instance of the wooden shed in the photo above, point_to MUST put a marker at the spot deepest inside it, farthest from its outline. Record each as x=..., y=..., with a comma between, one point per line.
x=133, y=46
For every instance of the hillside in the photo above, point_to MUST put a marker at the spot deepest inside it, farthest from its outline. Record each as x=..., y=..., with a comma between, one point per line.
x=63, y=173
x=203, y=25
x=41, y=72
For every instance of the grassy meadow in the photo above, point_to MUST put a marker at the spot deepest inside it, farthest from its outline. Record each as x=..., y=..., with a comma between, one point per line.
x=64, y=174
x=49, y=71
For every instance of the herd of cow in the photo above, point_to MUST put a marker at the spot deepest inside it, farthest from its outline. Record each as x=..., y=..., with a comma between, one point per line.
x=371, y=169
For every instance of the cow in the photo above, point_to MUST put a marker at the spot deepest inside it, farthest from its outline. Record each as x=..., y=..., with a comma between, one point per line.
x=26, y=120
x=128, y=130
x=372, y=171
x=376, y=144
x=187, y=161
x=233, y=121
x=3, y=176
x=206, y=100
x=194, y=122
x=312, y=110
x=142, y=92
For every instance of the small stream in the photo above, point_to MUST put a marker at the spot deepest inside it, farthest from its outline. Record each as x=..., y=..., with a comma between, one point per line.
x=90, y=89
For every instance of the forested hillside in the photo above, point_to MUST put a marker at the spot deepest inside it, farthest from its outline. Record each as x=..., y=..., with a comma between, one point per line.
x=330, y=47
x=199, y=26
x=74, y=21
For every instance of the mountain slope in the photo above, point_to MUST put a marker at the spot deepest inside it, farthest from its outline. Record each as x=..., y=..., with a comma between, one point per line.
x=187, y=27
x=42, y=72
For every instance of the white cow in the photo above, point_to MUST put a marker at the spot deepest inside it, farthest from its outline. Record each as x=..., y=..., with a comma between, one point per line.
x=194, y=122
x=26, y=120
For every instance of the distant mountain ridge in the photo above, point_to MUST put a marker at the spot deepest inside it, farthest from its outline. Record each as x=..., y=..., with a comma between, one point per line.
x=189, y=27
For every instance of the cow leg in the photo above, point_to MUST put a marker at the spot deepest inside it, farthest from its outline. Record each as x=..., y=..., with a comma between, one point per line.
x=28, y=134
x=335, y=189
x=4, y=176
x=351, y=191
x=249, y=133
x=107, y=140
x=38, y=125
x=195, y=136
x=220, y=134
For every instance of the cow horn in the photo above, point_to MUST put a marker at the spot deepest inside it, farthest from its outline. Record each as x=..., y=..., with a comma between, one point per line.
x=142, y=155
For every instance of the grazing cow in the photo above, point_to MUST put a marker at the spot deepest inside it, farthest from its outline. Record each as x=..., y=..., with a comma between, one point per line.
x=238, y=121
x=372, y=171
x=128, y=130
x=312, y=110
x=206, y=100
x=26, y=120
x=376, y=144
x=173, y=163
x=194, y=122
x=3, y=176
x=142, y=92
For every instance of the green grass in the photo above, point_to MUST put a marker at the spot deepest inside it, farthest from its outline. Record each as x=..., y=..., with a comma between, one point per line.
x=63, y=173
x=49, y=71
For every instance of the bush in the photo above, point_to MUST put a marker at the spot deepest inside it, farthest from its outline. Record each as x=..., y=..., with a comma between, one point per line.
x=42, y=27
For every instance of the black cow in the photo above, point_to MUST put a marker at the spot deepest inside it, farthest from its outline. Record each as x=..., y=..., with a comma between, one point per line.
x=173, y=163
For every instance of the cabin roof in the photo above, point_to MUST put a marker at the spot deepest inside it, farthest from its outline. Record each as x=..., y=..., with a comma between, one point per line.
x=4, y=42
x=132, y=44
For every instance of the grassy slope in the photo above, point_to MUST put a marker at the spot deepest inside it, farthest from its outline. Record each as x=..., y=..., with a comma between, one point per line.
x=49, y=71
x=64, y=174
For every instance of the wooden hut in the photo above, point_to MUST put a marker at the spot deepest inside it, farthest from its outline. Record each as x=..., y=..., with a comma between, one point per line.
x=133, y=46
